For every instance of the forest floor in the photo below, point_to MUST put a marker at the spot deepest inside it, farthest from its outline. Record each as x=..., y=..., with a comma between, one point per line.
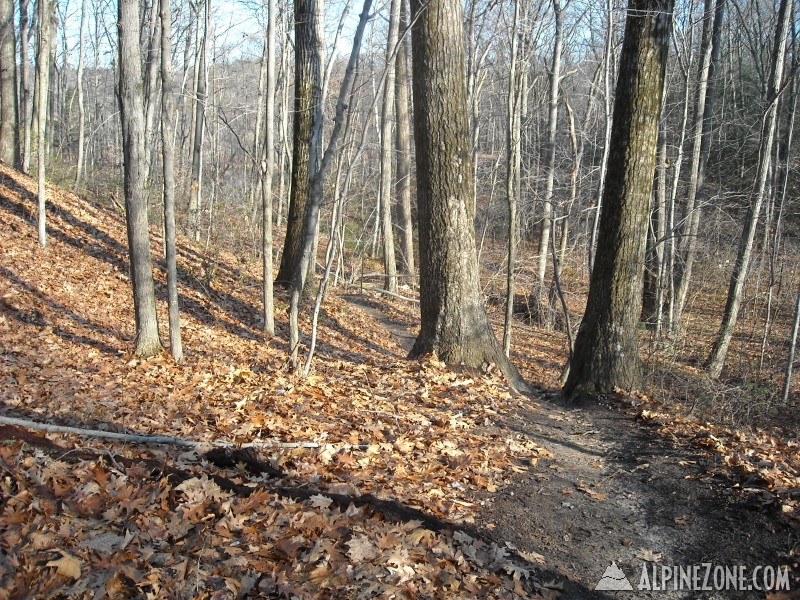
x=373, y=477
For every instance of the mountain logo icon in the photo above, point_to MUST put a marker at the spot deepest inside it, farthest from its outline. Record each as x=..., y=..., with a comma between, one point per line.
x=614, y=580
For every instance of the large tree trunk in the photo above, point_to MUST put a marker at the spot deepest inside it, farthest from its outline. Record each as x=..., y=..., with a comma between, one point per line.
x=307, y=105
x=9, y=113
x=403, y=145
x=147, y=342
x=167, y=114
x=719, y=352
x=42, y=81
x=454, y=324
x=606, y=353
x=387, y=122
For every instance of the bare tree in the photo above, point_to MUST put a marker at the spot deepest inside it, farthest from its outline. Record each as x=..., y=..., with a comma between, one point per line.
x=387, y=121
x=80, y=93
x=201, y=93
x=606, y=353
x=267, y=173
x=719, y=352
x=147, y=342
x=42, y=86
x=403, y=144
x=540, y=294
x=168, y=160
x=513, y=167
x=701, y=139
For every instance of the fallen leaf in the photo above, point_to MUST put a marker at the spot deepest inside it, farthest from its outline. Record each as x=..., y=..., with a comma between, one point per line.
x=67, y=565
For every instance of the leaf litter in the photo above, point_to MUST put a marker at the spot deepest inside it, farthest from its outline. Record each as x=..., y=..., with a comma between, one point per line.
x=92, y=518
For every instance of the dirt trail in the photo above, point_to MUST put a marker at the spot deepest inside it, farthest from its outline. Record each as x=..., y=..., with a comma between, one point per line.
x=617, y=491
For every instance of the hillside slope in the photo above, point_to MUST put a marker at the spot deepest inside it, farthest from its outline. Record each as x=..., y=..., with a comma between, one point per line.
x=81, y=517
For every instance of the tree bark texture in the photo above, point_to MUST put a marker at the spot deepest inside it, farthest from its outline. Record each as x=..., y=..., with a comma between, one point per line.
x=454, y=324
x=307, y=103
x=147, y=342
x=9, y=113
x=606, y=353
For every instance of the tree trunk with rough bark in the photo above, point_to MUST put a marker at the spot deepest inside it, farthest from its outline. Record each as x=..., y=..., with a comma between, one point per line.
x=147, y=342
x=606, y=355
x=25, y=91
x=9, y=113
x=454, y=324
x=307, y=104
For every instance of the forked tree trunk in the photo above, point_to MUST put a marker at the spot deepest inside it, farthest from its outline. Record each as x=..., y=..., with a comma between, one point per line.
x=454, y=324
x=719, y=352
x=147, y=342
x=9, y=113
x=168, y=160
x=308, y=95
x=606, y=353
x=42, y=81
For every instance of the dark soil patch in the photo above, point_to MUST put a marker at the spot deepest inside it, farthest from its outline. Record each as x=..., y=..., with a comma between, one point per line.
x=616, y=490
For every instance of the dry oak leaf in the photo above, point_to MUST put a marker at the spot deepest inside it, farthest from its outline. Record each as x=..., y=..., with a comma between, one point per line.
x=361, y=549
x=648, y=555
x=67, y=565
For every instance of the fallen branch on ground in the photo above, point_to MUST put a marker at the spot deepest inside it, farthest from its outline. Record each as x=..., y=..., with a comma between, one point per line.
x=157, y=439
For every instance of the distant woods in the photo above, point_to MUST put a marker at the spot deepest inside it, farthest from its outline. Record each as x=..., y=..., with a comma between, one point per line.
x=228, y=109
